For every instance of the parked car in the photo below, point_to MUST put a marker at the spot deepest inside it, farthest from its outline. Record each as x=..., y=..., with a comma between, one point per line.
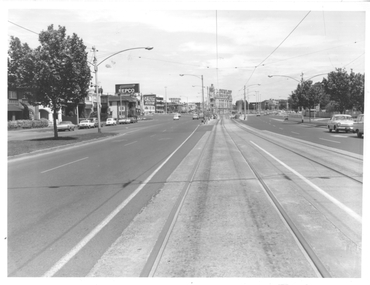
x=66, y=126
x=195, y=117
x=358, y=125
x=95, y=121
x=176, y=117
x=86, y=124
x=133, y=119
x=340, y=122
x=124, y=121
x=111, y=122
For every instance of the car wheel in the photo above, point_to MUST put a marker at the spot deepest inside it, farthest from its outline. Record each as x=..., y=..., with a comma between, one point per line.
x=359, y=135
x=336, y=129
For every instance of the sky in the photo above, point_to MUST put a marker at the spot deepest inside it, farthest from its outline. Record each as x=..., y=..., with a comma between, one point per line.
x=230, y=47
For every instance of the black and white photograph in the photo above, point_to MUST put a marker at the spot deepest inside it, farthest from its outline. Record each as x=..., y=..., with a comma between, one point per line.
x=201, y=141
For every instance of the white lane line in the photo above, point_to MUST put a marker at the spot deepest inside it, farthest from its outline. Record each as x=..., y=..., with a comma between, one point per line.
x=295, y=133
x=130, y=143
x=63, y=165
x=66, y=258
x=329, y=140
x=318, y=189
x=339, y=136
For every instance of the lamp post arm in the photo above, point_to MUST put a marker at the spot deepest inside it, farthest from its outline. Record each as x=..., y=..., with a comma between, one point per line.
x=120, y=52
x=315, y=76
x=285, y=76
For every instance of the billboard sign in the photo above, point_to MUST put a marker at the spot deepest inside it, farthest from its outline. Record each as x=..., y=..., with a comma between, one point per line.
x=149, y=100
x=175, y=100
x=127, y=89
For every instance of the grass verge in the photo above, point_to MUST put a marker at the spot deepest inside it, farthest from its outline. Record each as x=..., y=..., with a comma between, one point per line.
x=28, y=146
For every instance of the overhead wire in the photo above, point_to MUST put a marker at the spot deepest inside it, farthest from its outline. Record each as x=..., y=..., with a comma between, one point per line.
x=277, y=47
x=23, y=27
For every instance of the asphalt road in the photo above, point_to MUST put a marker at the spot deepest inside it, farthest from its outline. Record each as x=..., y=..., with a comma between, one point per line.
x=56, y=199
x=98, y=209
x=308, y=132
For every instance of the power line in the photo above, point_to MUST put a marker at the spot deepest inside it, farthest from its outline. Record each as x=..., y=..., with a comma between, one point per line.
x=285, y=38
x=23, y=27
x=277, y=46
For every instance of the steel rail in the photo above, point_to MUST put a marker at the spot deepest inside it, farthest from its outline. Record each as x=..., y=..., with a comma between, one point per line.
x=301, y=155
x=319, y=266
x=155, y=256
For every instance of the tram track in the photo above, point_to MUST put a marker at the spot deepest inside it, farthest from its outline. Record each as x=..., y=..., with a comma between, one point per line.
x=304, y=245
x=341, y=173
x=195, y=217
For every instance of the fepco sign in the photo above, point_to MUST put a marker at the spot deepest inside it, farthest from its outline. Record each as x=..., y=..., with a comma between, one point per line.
x=127, y=89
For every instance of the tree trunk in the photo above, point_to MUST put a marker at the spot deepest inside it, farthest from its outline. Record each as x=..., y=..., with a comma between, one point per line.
x=55, y=123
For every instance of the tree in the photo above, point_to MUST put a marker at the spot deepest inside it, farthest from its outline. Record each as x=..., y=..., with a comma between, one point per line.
x=59, y=69
x=338, y=87
x=21, y=60
x=357, y=91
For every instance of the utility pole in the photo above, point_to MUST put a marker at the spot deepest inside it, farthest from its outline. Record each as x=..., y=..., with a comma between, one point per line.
x=96, y=87
x=165, y=102
x=245, y=105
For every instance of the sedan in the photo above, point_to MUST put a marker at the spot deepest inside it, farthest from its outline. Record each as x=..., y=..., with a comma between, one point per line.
x=358, y=125
x=195, y=117
x=176, y=117
x=124, y=121
x=340, y=122
x=111, y=122
x=86, y=124
x=66, y=126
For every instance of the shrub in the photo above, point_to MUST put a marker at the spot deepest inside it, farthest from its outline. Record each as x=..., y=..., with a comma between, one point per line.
x=28, y=124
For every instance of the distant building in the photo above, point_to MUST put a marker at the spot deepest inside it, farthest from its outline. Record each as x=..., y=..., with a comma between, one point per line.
x=159, y=105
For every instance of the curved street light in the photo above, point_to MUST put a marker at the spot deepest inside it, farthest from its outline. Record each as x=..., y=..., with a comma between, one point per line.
x=300, y=81
x=245, y=102
x=96, y=64
x=200, y=77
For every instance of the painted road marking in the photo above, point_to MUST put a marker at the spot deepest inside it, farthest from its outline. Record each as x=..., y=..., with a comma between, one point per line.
x=130, y=143
x=318, y=189
x=339, y=136
x=67, y=257
x=329, y=140
x=64, y=165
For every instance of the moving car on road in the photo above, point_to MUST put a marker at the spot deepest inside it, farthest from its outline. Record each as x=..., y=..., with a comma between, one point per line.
x=133, y=119
x=195, y=117
x=340, y=122
x=111, y=122
x=358, y=125
x=66, y=126
x=86, y=124
x=176, y=117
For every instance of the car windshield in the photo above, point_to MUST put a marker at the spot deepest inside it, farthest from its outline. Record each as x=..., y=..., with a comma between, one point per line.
x=85, y=121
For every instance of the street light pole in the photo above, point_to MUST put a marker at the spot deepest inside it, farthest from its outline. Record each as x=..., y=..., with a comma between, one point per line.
x=301, y=81
x=245, y=105
x=165, y=102
x=201, y=77
x=96, y=88
x=96, y=64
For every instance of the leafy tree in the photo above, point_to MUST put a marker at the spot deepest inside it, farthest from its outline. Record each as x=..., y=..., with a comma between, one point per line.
x=338, y=87
x=57, y=71
x=20, y=64
x=357, y=90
